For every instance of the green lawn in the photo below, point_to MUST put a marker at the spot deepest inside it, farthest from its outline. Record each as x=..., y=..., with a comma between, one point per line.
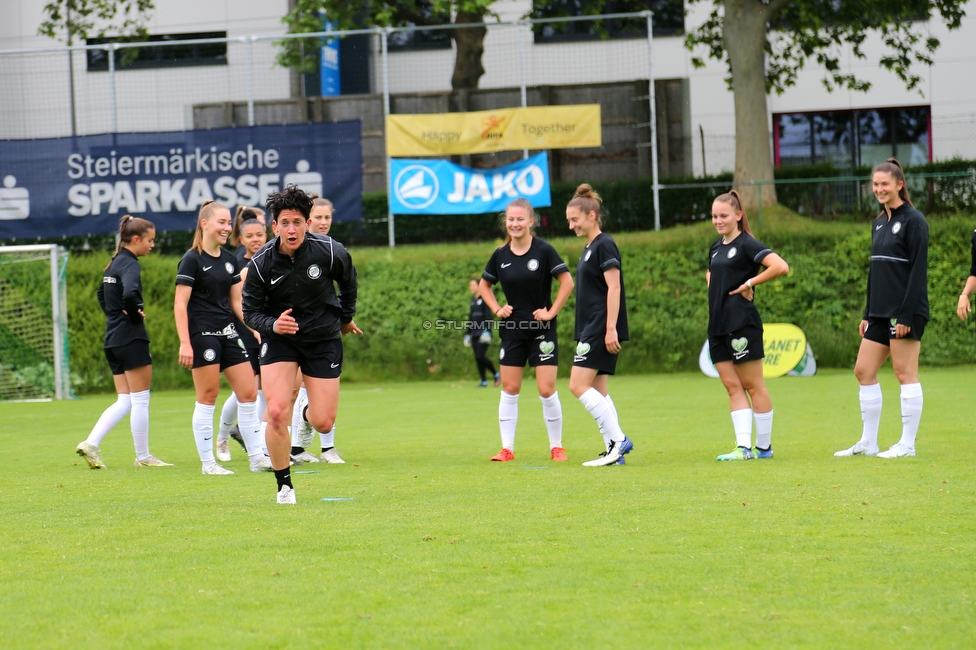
x=440, y=548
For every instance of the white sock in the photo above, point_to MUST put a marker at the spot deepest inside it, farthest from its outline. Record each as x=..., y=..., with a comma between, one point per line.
x=203, y=415
x=764, y=429
x=264, y=439
x=742, y=425
x=228, y=416
x=296, y=416
x=247, y=418
x=507, y=419
x=328, y=439
x=604, y=414
x=911, y=412
x=109, y=418
x=606, y=438
x=552, y=413
x=139, y=423
x=871, y=400
x=262, y=404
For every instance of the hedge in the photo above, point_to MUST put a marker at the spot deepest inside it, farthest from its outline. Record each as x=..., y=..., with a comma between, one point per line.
x=664, y=272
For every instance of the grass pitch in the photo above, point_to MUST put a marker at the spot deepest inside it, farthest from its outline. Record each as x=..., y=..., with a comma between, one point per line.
x=437, y=547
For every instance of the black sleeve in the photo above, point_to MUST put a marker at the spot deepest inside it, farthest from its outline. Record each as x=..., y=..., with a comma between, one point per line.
x=238, y=265
x=348, y=283
x=132, y=291
x=101, y=295
x=555, y=263
x=491, y=268
x=186, y=272
x=255, y=292
x=972, y=255
x=756, y=250
x=607, y=255
x=917, y=236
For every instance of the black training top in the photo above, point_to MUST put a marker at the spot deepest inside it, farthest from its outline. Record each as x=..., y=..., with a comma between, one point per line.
x=211, y=278
x=479, y=317
x=241, y=254
x=730, y=265
x=304, y=284
x=121, y=291
x=527, y=283
x=598, y=256
x=250, y=343
x=898, y=277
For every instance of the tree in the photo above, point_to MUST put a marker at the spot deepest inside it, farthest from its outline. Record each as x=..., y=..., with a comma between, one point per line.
x=307, y=16
x=767, y=42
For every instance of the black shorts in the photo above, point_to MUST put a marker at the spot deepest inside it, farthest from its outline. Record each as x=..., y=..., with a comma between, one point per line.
x=128, y=357
x=742, y=345
x=209, y=350
x=542, y=350
x=593, y=354
x=319, y=359
x=882, y=330
x=253, y=355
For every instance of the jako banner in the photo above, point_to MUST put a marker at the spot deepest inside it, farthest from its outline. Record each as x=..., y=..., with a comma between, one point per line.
x=441, y=187
x=503, y=129
x=76, y=186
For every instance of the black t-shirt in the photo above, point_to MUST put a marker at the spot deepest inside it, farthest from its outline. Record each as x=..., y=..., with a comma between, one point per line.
x=600, y=255
x=527, y=283
x=898, y=277
x=211, y=278
x=479, y=317
x=730, y=266
x=120, y=296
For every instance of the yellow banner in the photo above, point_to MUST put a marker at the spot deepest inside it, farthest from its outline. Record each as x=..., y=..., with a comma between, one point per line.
x=783, y=346
x=505, y=129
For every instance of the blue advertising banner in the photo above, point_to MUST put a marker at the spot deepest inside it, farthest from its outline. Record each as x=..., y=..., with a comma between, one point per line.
x=329, y=66
x=82, y=185
x=441, y=187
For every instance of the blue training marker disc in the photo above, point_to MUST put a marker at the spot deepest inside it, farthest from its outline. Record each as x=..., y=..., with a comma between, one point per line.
x=337, y=498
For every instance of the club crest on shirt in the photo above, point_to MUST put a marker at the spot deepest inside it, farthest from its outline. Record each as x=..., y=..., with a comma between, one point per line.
x=533, y=265
x=586, y=258
x=732, y=252
x=895, y=228
x=314, y=271
x=229, y=267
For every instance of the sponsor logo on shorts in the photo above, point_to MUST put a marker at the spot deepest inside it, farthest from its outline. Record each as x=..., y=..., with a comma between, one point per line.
x=895, y=228
x=209, y=355
x=241, y=343
x=741, y=347
x=732, y=252
x=533, y=265
x=501, y=354
x=546, y=348
x=229, y=267
x=314, y=271
x=264, y=350
x=582, y=349
x=335, y=365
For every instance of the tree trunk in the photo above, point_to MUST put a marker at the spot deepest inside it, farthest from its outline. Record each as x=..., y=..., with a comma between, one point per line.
x=470, y=42
x=744, y=33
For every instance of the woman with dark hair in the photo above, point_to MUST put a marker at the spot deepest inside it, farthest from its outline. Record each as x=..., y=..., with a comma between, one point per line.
x=477, y=334
x=896, y=312
x=735, y=330
x=126, y=344
x=242, y=215
x=601, y=322
x=291, y=298
x=526, y=266
x=208, y=298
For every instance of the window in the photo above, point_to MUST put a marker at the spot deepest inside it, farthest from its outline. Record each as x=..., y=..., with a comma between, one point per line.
x=669, y=20
x=850, y=139
x=172, y=55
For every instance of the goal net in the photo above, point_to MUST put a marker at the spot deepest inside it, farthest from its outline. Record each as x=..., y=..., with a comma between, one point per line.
x=33, y=323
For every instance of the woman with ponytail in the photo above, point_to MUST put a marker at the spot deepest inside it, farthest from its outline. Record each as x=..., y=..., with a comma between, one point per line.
x=601, y=322
x=735, y=330
x=252, y=235
x=242, y=215
x=208, y=298
x=896, y=312
x=126, y=344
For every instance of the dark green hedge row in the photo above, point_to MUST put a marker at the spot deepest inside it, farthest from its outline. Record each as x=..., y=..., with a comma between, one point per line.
x=664, y=275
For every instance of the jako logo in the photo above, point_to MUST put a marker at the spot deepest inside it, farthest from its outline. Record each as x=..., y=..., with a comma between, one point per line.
x=416, y=187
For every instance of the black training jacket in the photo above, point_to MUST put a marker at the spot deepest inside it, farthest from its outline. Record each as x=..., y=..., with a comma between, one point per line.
x=304, y=283
x=120, y=296
x=898, y=277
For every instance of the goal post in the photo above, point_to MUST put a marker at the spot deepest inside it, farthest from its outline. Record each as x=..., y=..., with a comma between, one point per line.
x=34, y=323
